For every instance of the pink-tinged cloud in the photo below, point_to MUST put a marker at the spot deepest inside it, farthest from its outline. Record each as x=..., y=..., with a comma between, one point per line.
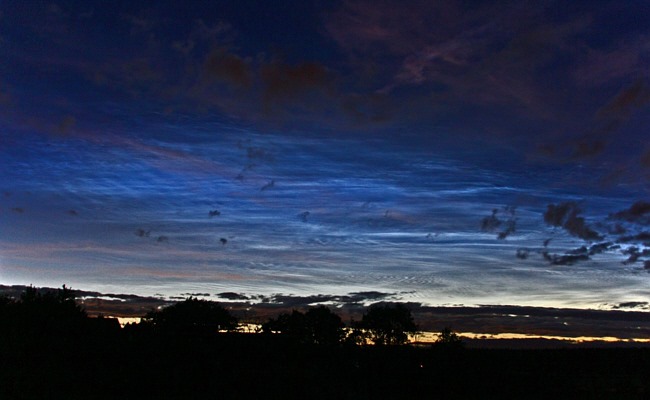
x=66, y=125
x=5, y=96
x=626, y=60
x=284, y=82
x=645, y=159
x=626, y=101
x=228, y=67
x=484, y=55
x=390, y=26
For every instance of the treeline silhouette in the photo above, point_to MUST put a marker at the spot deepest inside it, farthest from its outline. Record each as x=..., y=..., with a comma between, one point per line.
x=50, y=348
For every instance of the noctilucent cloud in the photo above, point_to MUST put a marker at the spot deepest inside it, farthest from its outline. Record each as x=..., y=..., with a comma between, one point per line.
x=450, y=152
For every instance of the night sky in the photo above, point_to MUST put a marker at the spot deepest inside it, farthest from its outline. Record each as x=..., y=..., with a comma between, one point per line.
x=446, y=153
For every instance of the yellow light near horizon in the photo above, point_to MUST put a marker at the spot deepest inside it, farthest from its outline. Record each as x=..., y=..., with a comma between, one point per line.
x=430, y=337
x=128, y=320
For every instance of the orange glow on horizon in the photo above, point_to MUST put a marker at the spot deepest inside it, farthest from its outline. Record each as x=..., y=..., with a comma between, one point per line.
x=430, y=337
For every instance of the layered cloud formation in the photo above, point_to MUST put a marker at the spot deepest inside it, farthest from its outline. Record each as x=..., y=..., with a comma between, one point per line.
x=452, y=152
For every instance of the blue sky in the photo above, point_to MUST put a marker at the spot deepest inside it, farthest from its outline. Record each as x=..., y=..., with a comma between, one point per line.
x=424, y=149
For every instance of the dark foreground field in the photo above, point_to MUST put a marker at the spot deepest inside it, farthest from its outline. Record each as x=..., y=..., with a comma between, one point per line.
x=123, y=364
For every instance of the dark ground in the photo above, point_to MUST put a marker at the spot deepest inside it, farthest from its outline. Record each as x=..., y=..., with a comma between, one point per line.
x=110, y=363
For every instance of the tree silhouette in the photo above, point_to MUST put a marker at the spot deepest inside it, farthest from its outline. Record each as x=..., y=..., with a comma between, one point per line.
x=192, y=316
x=5, y=303
x=287, y=324
x=356, y=336
x=319, y=325
x=388, y=325
x=325, y=327
x=448, y=338
x=50, y=310
x=42, y=313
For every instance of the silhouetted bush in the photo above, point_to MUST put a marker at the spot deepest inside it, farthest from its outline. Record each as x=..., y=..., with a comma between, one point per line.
x=42, y=313
x=388, y=324
x=449, y=339
x=191, y=316
x=319, y=325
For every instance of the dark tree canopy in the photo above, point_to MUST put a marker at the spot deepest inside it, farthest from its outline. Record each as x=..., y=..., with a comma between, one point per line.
x=293, y=325
x=388, y=324
x=192, y=315
x=319, y=325
x=325, y=326
x=42, y=312
x=448, y=338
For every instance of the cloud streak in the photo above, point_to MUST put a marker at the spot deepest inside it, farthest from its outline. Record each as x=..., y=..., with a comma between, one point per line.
x=357, y=149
